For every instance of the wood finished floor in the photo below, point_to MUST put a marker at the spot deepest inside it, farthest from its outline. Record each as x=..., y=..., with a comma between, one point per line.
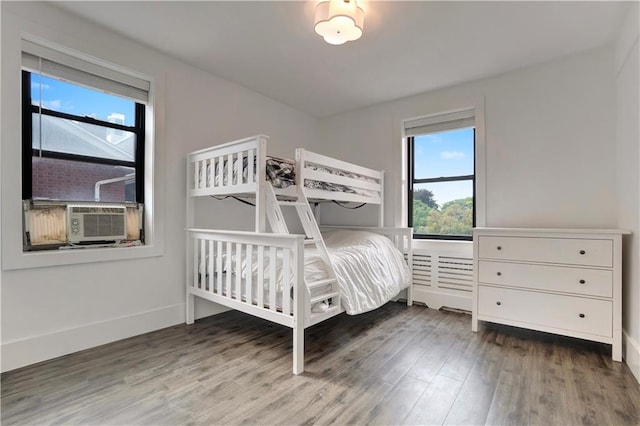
x=396, y=365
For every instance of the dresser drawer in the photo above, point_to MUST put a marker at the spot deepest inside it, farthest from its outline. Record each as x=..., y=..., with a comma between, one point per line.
x=547, y=310
x=573, y=251
x=584, y=281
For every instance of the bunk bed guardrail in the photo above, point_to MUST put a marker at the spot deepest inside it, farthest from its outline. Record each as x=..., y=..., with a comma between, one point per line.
x=238, y=167
x=232, y=168
x=258, y=273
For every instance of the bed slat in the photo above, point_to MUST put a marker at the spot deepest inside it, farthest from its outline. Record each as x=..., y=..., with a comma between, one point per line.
x=251, y=173
x=238, y=286
x=219, y=173
x=240, y=178
x=227, y=268
x=219, y=268
x=210, y=276
x=286, y=282
x=249, y=280
x=229, y=170
x=202, y=264
x=260, y=283
x=196, y=282
x=272, y=278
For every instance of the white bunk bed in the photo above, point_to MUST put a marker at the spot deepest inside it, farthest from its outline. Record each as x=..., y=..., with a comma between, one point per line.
x=263, y=273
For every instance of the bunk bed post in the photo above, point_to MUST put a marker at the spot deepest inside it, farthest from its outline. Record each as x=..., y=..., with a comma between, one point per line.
x=191, y=184
x=300, y=180
x=299, y=167
x=190, y=298
x=190, y=308
x=298, y=307
x=381, y=208
x=261, y=176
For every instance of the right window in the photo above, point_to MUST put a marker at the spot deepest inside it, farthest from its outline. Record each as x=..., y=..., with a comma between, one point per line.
x=442, y=176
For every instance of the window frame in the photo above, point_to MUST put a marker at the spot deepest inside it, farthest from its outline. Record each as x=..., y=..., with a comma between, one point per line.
x=411, y=180
x=13, y=256
x=28, y=152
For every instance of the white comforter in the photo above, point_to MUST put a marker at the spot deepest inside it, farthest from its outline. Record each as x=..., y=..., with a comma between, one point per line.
x=369, y=268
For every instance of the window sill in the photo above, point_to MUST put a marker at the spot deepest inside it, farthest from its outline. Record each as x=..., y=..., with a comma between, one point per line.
x=40, y=259
x=444, y=245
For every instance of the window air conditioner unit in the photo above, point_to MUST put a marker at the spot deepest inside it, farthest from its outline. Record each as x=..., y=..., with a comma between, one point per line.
x=95, y=222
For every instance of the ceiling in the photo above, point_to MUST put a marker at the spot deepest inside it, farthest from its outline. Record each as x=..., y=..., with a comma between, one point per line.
x=407, y=47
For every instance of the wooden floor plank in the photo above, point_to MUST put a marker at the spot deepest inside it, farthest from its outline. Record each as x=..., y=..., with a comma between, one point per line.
x=396, y=406
x=510, y=404
x=434, y=404
x=472, y=403
x=394, y=365
x=438, y=346
x=547, y=386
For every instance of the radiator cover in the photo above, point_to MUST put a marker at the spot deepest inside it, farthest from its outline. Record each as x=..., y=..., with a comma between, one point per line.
x=442, y=279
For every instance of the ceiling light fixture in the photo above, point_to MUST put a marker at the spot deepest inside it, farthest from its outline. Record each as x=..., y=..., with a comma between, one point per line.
x=339, y=21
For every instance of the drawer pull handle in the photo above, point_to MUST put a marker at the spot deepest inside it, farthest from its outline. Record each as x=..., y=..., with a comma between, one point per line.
x=583, y=252
x=499, y=273
x=499, y=247
x=498, y=303
x=583, y=282
x=581, y=315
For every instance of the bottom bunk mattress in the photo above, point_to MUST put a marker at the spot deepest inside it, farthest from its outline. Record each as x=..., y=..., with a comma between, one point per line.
x=369, y=269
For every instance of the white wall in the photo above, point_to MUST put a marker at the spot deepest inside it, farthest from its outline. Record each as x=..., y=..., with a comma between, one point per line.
x=627, y=74
x=51, y=311
x=549, y=129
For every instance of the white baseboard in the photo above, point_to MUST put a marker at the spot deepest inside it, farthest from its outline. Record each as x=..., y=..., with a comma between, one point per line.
x=631, y=354
x=30, y=350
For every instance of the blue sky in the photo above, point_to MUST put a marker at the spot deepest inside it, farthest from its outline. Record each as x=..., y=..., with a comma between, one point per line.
x=442, y=154
x=72, y=99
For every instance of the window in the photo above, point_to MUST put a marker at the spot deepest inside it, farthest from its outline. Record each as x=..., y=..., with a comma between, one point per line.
x=442, y=176
x=83, y=135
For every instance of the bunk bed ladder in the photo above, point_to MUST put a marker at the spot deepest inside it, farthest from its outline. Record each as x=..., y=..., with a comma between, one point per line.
x=325, y=293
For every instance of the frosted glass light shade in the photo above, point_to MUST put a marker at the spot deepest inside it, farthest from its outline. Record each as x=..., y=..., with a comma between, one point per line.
x=339, y=21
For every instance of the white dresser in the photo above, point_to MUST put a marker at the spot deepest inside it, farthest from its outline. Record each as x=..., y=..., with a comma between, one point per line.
x=563, y=281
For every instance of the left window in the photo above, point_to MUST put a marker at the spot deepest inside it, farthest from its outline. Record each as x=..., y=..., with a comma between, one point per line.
x=83, y=139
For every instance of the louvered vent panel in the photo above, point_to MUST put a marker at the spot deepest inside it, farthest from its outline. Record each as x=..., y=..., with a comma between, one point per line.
x=442, y=271
x=455, y=273
x=422, y=269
